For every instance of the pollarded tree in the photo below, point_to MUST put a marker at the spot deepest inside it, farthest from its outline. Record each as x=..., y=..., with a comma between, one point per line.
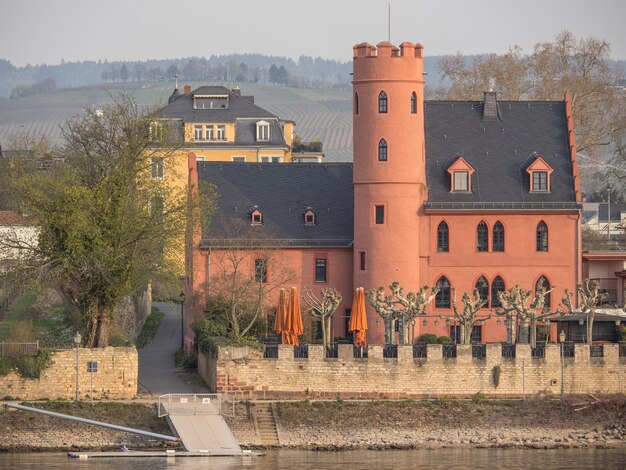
x=515, y=302
x=590, y=298
x=469, y=316
x=400, y=307
x=104, y=225
x=323, y=307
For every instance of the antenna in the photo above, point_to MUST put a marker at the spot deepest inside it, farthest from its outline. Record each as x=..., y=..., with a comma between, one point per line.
x=176, y=77
x=389, y=21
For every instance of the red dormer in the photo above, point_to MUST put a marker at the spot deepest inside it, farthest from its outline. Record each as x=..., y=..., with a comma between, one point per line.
x=540, y=174
x=461, y=176
x=257, y=217
x=309, y=217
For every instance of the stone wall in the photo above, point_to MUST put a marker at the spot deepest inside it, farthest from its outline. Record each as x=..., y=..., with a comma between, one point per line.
x=246, y=372
x=116, y=377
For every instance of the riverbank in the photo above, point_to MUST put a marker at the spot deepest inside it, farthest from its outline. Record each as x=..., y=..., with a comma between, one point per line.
x=344, y=425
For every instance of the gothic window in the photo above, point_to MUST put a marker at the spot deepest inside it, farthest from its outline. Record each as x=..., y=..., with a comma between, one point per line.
x=442, y=299
x=382, y=102
x=413, y=103
x=542, y=236
x=496, y=286
x=543, y=282
x=482, y=237
x=443, y=240
x=382, y=150
x=482, y=286
x=356, y=103
x=498, y=237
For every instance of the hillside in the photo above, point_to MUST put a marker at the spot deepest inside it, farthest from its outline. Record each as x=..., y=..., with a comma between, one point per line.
x=319, y=113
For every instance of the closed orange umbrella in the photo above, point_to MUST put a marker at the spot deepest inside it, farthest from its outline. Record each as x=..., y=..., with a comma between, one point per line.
x=293, y=319
x=358, y=318
x=281, y=314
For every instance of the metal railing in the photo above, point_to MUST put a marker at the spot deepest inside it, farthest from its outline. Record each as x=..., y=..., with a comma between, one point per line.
x=596, y=351
x=420, y=351
x=191, y=404
x=479, y=351
x=271, y=351
x=569, y=350
x=390, y=351
x=332, y=351
x=508, y=350
x=622, y=349
x=448, y=350
x=538, y=352
x=301, y=352
x=18, y=349
x=359, y=352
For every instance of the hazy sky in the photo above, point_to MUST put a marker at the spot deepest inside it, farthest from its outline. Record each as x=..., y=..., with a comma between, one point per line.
x=46, y=31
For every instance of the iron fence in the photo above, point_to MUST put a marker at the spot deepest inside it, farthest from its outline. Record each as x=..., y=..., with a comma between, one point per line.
x=569, y=350
x=332, y=351
x=271, y=351
x=596, y=351
x=359, y=352
x=448, y=350
x=390, y=351
x=508, y=350
x=420, y=351
x=538, y=352
x=301, y=352
x=196, y=404
x=622, y=349
x=479, y=351
x=18, y=349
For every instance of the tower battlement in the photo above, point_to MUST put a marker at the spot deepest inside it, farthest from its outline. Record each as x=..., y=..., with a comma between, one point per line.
x=407, y=50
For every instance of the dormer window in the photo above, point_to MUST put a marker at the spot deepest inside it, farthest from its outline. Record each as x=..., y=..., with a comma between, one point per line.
x=461, y=176
x=262, y=131
x=309, y=217
x=540, y=174
x=257, y=217
x=210, y=101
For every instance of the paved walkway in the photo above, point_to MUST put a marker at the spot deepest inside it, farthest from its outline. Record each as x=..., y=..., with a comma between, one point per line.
x=157, y=371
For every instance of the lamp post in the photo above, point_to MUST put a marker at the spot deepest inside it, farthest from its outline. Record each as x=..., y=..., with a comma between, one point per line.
x=562, y=340
x=77, y=339
x=182, y=321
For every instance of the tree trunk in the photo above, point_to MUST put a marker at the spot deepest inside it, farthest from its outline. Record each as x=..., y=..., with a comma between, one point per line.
x=523, y=332
x=590, y=318
x=404, y=340
x=509, y=329
x=324, y=332
x=97, y=327
x=466, y=330
x=533, y=333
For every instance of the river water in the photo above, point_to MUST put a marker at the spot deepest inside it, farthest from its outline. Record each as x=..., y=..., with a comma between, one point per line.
x=449, y=459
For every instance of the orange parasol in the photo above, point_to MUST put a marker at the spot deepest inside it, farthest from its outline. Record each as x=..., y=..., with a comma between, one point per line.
x=281, y=313
x=293, y=319
x=358, y=318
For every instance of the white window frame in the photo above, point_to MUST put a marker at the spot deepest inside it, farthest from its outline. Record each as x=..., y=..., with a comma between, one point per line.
x=263, y=131
x=221, y=133
x=271, y=158
x=200, y=158
x=238, y=158
x=458, y=187
x=156, y=168
x=209, y=132
x=197, y=132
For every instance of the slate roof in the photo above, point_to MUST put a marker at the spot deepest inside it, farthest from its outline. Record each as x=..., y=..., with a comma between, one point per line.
x=282, y=193
x=238, y=107
x=616, y=212
x=499, y=150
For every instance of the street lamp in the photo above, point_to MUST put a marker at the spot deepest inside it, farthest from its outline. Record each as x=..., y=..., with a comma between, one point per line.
x=77, y=339
x=562, y=340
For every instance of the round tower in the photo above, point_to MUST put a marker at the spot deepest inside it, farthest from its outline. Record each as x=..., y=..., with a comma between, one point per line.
x=389, y=168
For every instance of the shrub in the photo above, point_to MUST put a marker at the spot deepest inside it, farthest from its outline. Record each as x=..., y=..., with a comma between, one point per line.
x=184, y=360
x=209, y=327
x=495, y=375
x=118, y=341
x=444, y=339
x=427, y=338
x=621, y=333
x=27, y=367
x=149, y=329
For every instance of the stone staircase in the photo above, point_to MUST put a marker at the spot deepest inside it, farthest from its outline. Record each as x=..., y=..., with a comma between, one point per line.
x=265, y=424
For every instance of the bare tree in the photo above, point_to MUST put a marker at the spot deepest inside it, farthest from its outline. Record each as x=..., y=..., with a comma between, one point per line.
x=323, y=307
x=400, y=307
x=515, y=301
x=249, y=265
x=469, y=316
x=590, y=298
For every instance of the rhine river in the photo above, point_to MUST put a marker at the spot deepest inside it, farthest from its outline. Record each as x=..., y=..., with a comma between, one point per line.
x=450, y=459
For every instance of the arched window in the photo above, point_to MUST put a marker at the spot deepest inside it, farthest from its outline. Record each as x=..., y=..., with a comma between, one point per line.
x=442, y=299
x=498, y=237
x=356, y=103
x=382, y=102
x=482, y=237
x=542, y=236
x=543, y=282
x=443, y=237
x=496, y=286
x=382, y=150
x=413, y=103
x=482, y=286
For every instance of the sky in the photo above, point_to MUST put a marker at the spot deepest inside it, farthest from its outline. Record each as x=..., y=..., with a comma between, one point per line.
x=47, y=31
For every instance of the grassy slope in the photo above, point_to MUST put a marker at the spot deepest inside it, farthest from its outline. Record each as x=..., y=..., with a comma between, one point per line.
x=319, y=114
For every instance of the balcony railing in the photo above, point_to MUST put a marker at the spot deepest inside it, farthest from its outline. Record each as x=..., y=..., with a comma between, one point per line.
x=359, y=352
x=390, y=351
x=508, y=350
x=448, y=350
x=270, y=352
x=569, y=350
x=301, y=352
x=479, y=351
x=420, y=351
x=538, y=352
x=306, y=147
x=332, y=351
x=596, y=351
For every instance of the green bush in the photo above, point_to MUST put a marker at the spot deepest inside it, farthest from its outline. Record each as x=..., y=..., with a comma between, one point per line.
x=258, y=328
x=27, y=367
x=184, y=360
x=150, y=328
x=427, y=338
x=118, y=341
x=444, y=339
x=621, y=333
x=209, y=327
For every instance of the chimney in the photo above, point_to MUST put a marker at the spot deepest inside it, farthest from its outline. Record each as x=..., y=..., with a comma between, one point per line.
x=187, y=90
x=237, y=91
x=490, y=107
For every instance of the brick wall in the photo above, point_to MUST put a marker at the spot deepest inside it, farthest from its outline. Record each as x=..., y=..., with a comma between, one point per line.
x=245, y=371
x=116, y=377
